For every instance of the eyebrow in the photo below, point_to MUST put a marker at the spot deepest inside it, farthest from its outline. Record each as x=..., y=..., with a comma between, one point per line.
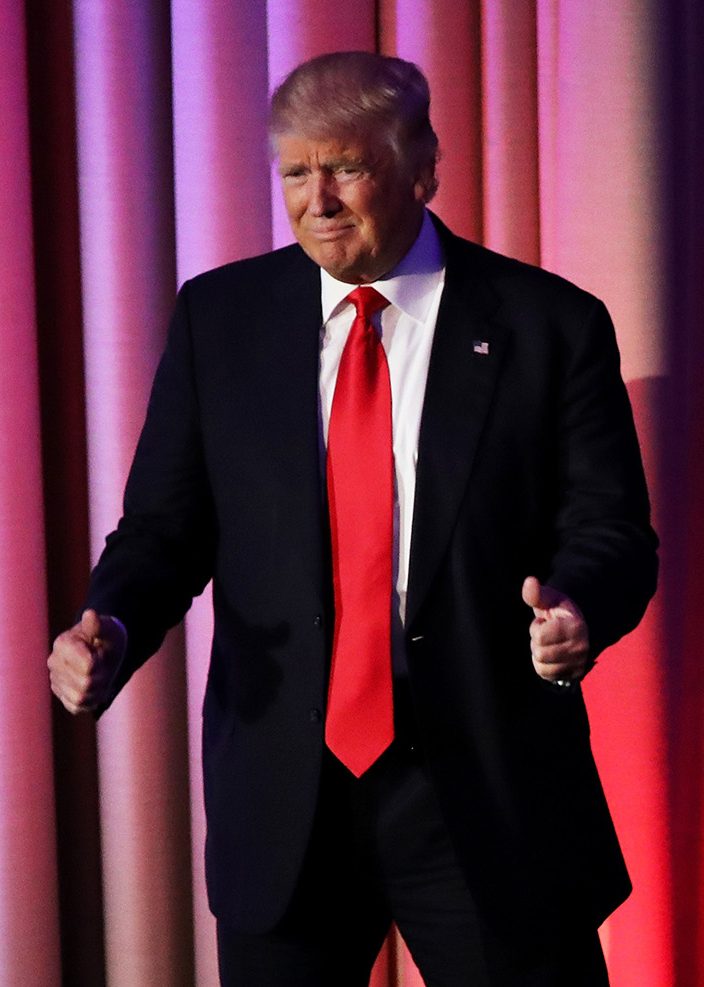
x=331, y=165
x=347, y=163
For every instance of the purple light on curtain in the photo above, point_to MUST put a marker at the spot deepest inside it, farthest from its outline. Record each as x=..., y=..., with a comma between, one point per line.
x=125, y=223
x=127, y=253
x=220, y=152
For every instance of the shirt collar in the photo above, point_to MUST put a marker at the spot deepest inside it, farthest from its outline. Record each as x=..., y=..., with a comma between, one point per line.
x=410, y=286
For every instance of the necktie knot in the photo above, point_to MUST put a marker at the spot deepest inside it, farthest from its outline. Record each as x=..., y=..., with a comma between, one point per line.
x=367, y=301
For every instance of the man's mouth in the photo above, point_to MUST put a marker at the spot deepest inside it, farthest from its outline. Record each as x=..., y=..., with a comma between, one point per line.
x=329, y=233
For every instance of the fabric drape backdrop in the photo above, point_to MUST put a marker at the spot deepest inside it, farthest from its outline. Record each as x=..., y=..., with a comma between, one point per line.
x=133, y=155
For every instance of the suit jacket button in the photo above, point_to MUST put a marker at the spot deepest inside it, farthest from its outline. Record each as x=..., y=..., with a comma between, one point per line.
x=315, y=715
x=317, y=620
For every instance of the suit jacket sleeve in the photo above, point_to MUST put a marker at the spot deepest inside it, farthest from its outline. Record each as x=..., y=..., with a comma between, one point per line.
x=161, y=554
x=605, y=548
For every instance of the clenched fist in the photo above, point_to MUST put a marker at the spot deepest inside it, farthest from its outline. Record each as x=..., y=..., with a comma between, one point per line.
x=84, y=659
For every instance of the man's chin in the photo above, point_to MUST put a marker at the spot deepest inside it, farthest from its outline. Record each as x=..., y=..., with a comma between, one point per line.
x=339, y=264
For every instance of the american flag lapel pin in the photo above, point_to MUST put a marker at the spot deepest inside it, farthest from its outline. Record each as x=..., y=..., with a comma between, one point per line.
x=481, y=347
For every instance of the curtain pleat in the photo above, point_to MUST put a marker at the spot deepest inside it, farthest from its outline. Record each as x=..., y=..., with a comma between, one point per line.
x=444, y=39
x=60, y=348
x=511, y=134
x=29, y=931
x=133, y=155
x=128, y=277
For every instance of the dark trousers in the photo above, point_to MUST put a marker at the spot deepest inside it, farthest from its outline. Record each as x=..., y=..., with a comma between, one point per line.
x=380, y=853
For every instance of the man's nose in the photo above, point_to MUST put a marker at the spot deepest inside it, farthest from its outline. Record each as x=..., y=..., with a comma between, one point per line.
x=323, y=199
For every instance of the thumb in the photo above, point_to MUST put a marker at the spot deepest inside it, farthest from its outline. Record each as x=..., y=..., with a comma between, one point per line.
x=536, y=595
x=90, y=625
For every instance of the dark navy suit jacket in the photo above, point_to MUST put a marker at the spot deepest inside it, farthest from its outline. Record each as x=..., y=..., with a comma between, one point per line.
x=528, y=464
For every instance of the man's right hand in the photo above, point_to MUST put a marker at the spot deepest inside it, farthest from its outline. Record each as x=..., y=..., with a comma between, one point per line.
x=84, y=659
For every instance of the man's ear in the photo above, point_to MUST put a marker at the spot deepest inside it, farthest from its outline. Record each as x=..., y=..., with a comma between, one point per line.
x=425, y=184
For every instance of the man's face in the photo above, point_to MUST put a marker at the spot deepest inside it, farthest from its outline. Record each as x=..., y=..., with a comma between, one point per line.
x=352, y=207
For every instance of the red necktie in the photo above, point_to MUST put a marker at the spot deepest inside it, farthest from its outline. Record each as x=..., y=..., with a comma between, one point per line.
x=359, y=724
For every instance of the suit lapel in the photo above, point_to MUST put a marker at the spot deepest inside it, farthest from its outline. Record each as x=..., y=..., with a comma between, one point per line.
x=464, y=369
x=293, y=320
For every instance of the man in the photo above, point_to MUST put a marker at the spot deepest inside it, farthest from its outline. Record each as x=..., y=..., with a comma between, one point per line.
x=393, y=723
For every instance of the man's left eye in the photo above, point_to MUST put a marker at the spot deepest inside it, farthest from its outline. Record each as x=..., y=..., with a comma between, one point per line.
x=346, y=174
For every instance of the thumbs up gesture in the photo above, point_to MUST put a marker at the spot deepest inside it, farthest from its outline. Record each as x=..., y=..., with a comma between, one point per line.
x=558, y=634
x=84, y=659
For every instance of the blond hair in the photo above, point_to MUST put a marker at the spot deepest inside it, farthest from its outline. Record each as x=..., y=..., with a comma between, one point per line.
x=362, y=94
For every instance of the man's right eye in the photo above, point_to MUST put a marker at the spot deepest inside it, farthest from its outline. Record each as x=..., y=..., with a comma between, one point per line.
x=294, y=177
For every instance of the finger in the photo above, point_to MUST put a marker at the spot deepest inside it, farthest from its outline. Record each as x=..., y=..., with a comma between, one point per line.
x=71, y=653
x=557, y=630
x=559, y=653
x=74, y=699
x=558, y=663
x=74, y=708
x=560, y=666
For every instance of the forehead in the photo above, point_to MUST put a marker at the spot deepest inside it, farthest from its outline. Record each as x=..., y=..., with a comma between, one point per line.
x=330, y=148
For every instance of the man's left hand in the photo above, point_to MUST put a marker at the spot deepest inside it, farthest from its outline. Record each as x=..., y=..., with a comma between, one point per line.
x=559, y=635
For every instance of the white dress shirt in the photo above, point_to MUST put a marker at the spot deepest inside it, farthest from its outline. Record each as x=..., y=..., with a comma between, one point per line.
x=406, y=326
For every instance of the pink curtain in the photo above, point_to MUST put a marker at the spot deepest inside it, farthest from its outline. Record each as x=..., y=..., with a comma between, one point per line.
x=28, y=897
x=132, y=155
